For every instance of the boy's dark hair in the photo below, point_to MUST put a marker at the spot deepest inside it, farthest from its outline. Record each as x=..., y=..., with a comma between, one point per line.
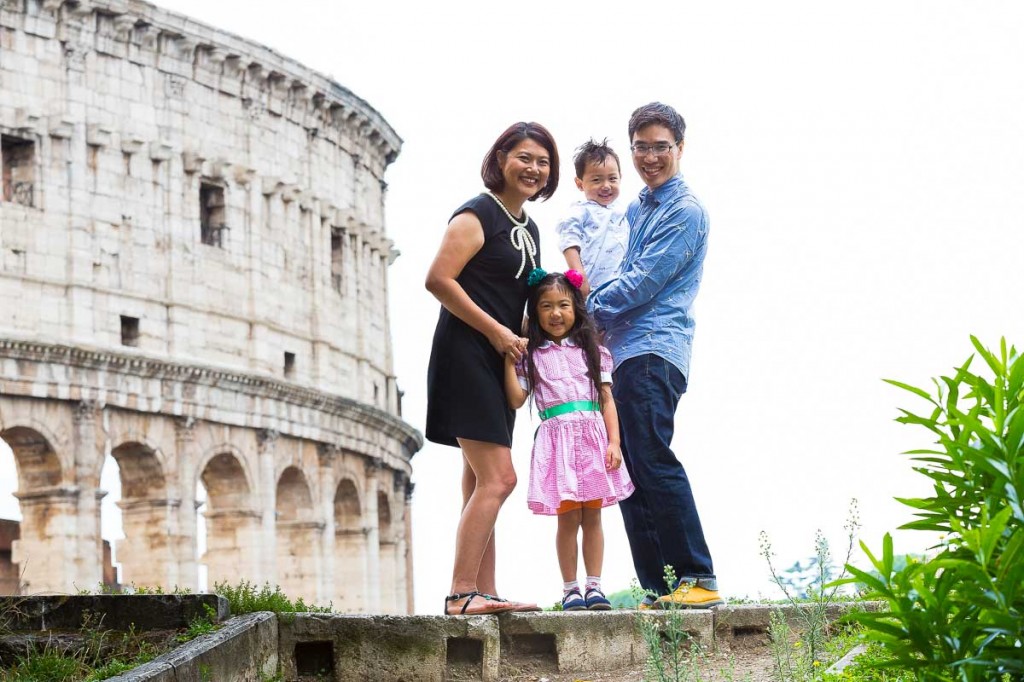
x=593, y=152
x=583, y=332
x=658, y=114
x=490, y=170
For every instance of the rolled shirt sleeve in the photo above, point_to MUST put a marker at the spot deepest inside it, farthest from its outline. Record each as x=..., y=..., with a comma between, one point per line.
x=667, y=252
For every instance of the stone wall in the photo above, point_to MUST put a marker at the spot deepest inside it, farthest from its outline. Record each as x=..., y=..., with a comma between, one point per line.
x=194, y=257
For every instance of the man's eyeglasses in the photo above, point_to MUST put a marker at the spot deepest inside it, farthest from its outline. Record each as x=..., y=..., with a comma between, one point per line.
x=658, y=149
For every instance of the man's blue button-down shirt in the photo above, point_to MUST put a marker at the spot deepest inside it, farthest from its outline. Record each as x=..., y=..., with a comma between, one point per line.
x=648, y=307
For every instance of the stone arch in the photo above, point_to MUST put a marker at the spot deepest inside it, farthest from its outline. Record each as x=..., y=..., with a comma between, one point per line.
x=142, y=470
x=232, y=521
x=48, y=508
x=148, y=517
x=350, y=549
x=35, y=459
x=227, y=479
x=299, y=536
x=348, y=508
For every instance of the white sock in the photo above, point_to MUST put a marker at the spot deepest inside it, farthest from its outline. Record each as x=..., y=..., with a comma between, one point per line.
x=593, y=582
x=570, y=586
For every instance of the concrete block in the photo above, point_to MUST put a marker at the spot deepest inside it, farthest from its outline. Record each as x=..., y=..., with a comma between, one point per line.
x=387, y=648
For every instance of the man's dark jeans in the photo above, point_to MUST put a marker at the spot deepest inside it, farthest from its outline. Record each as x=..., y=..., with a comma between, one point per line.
x=660, y=517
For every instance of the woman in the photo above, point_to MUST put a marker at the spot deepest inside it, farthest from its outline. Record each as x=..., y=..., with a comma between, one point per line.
x=479, y=276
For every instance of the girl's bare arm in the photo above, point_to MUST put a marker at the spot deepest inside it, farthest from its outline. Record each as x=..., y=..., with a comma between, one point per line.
x=613, y=456
x=514, y=393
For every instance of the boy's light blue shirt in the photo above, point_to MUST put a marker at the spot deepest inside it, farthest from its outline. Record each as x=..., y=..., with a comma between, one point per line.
x=647, y=308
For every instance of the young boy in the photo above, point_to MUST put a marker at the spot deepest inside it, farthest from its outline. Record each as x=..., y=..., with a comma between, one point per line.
x=594, y=235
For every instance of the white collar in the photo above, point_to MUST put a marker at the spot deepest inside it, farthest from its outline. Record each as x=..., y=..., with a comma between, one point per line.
x=547, y=343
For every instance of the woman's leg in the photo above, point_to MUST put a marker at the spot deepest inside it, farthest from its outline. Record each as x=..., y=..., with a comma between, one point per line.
x=565, y=543
x=491, y=466
x=485, y=581
x=593, y=541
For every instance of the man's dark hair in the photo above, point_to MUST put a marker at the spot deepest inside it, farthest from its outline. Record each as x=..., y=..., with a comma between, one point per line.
x=593, y=152
x=657, y=113
x=490, y=170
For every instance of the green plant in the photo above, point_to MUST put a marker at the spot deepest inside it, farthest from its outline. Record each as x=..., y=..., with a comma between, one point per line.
x=959, y=615
x=200, y=625
x=245, y=597
x=800, y=655
x=49, y=665
x=672, y=655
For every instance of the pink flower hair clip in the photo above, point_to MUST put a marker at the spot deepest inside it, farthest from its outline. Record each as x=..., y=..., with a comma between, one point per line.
x=575, y=278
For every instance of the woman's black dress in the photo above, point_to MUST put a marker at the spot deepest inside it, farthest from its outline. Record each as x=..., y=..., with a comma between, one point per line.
x=466, y=376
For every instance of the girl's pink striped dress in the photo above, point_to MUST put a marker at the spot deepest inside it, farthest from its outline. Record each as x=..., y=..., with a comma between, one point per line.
x=569, y=448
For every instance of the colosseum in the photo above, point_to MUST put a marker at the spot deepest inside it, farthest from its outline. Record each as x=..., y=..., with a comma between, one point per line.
x=193, y=278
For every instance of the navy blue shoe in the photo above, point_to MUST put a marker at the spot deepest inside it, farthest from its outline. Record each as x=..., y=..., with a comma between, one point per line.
x=596, y=601
x=574, y=601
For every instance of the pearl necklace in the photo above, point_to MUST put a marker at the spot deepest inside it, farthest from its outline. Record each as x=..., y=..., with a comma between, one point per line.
x=522, y=240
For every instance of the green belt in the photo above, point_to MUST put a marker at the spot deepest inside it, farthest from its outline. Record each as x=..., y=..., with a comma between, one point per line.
x=566, y=408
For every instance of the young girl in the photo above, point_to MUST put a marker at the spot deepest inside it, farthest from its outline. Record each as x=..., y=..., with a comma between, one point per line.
x=576, y=467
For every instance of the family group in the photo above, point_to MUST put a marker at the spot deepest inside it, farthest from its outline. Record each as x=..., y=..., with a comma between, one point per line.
x=602, y=350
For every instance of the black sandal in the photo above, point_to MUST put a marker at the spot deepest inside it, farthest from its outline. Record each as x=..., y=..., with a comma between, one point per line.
x=457, y=596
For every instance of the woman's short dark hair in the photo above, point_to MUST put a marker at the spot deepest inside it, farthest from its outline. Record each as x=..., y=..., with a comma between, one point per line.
x=490, y=171
x=657, y=113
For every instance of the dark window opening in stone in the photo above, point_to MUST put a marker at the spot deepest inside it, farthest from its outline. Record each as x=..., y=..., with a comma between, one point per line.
x=337, y=258
x=212, y=221
x=289, y=365
x=464, y=657
x=129, y=331
x=18, y=164
x=314, y=658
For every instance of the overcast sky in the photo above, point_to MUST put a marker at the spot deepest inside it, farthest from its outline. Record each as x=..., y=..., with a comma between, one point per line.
x=862, y=165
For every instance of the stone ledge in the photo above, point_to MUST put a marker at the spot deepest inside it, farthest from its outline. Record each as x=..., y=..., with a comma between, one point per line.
x=244, y=649
x=118, y=611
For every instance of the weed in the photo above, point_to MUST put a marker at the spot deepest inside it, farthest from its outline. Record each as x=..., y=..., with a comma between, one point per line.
x=200, y=625
x=245, y=597
x=800, y=655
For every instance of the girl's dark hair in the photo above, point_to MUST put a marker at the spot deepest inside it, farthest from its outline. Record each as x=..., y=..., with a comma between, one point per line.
x=490, y=170
x=593, y=152
x=583, y=332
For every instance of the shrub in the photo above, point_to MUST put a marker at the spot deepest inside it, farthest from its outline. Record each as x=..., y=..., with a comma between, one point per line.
x=960, y=614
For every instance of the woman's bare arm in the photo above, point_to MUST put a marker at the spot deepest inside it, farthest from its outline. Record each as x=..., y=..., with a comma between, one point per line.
x=462, y=240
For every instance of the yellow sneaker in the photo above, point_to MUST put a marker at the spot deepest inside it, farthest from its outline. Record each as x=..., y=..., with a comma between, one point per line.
x=688, y=596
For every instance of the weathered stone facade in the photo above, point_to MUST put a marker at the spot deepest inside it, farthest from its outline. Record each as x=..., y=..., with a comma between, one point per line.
x=193, y=279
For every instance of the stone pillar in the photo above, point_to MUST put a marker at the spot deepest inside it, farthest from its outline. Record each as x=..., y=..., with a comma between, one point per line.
x=46, y=553
x=410, y=597
x=232, y=545
x=266, y=489
x=326, y=584
x=388, y=578
x=87, y=542
x=149, y=553
x=372, y=602
x=298, y=565
x=185, y=549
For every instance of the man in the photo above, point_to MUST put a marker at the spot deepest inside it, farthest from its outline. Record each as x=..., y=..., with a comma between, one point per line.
x=646, y=316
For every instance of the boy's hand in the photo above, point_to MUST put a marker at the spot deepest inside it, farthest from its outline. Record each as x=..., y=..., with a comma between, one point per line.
x=613, y=456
